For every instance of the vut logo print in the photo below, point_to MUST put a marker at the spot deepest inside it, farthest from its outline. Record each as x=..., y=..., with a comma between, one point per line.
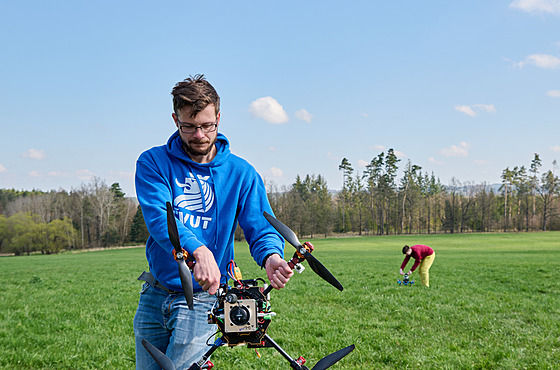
x=193, y=198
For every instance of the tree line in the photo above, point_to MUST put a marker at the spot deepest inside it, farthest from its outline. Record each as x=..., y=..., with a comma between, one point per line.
x=372, y=202
x=94, y=215
x=376, y=202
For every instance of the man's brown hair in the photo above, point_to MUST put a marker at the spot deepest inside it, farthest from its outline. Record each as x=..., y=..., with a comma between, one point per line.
x=195, y=93
x=405, y=249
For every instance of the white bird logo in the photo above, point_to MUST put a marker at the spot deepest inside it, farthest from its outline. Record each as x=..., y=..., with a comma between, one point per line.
x=193, y=199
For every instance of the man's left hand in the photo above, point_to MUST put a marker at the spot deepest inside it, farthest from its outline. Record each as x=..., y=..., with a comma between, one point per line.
x=278, y=271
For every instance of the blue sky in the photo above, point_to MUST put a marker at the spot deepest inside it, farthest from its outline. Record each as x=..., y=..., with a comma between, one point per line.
x=463, y=89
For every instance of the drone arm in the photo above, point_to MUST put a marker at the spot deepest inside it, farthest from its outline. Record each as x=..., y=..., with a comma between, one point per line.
x=204, y=360
x=293, y=363
x=297, y=258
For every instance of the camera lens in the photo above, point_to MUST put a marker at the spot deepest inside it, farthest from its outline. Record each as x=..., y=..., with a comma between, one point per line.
x=239, y=315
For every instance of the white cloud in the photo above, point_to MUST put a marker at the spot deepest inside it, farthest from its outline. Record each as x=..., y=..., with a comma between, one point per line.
x=433, y=160
x=332, y=156
x=34, y=154
x=268, y=109
x=122, y=174
x=537, y=6
x=35, y=174
x=400, y=154
x=2, y=168
x=362, y=163
x=275, y=172
x=489, y=108
x=553, y=93
x=555, y=148
x=461, y=150
x=379, y=147
x=272, y=149
x=541, y=61
x=471, y=110
x=465, y=109
x=304, y=115
x=58, y=174
x=85, y=175
x=365, y=115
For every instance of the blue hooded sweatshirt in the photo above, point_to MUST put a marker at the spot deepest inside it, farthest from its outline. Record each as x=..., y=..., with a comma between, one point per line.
x=209, y=200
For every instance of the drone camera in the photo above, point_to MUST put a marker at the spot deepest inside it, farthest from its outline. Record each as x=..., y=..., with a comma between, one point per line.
x=240, y=316
x=242, y=313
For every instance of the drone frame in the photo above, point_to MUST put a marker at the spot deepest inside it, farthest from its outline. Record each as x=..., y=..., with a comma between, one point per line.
x=186, y=263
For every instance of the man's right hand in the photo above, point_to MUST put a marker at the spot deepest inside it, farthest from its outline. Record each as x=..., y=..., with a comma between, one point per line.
x=206, y=272
x=401, y=272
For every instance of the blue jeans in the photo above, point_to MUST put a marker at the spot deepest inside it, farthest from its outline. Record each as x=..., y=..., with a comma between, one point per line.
x=165, y=321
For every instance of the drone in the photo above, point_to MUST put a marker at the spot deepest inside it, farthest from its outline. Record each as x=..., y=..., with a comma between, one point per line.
x=406, y=280
x=242, y=311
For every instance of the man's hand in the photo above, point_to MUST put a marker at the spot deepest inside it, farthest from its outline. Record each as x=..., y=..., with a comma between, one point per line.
x=401, y=272
x=206, y=272
x=278, y=271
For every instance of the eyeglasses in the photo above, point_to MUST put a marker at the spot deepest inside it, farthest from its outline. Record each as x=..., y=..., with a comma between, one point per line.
x=191, y=129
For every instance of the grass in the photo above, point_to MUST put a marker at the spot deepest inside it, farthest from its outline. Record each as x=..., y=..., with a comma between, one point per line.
x=494, y=303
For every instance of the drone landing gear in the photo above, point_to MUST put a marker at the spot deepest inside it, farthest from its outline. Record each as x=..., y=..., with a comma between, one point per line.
x=295, y=364
x=298, y=364
x=204, y=363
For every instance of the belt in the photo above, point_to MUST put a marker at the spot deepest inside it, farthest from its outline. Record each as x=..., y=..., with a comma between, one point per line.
x=150, y=279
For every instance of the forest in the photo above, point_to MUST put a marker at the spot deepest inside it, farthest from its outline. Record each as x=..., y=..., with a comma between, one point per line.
x=372, y=202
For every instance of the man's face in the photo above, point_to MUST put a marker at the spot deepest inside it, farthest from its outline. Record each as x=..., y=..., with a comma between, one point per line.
x=199, y=144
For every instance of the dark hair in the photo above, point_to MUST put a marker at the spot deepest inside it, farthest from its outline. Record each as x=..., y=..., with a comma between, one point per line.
x=196, y=93
x=405, y=249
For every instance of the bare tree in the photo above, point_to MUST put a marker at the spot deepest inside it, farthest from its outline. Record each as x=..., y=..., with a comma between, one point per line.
x=102, y=200
x=549, y=188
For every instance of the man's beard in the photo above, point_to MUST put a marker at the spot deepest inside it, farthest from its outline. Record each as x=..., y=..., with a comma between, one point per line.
x=195, y=152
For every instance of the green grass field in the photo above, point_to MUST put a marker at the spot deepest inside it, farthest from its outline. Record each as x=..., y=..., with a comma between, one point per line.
x=494, y=302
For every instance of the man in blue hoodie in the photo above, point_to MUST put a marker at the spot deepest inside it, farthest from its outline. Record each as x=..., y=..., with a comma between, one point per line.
x=211, y=190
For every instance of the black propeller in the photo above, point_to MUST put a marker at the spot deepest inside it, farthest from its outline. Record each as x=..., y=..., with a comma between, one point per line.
x=333, y=358
x=161, y=359
x=314, y=263
x=184, y=271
